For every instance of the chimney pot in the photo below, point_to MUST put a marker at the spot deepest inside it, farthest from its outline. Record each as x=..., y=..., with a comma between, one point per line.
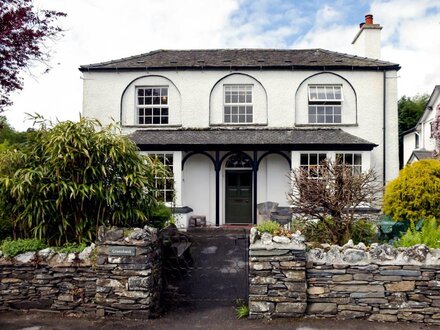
x=361, y=25
x=369, y=19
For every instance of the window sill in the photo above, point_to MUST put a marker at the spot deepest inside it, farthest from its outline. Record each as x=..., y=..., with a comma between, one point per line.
x=236, y=124
x=326, y=125
x=151, y=126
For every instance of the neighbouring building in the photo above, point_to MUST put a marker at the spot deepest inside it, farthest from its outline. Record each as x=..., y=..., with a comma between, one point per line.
x=231, y=123
x=419, y=141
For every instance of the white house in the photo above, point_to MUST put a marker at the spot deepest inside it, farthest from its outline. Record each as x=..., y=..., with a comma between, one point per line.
x=231, y=123
x=419, y=142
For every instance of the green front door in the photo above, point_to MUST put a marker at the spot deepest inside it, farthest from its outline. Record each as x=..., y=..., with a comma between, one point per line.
x=238, y=196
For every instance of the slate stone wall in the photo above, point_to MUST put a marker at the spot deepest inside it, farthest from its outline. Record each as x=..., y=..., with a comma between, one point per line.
x=93, y=282
x=379, y=283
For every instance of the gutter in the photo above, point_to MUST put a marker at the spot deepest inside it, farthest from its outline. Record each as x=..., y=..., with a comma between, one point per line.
x=384, y=126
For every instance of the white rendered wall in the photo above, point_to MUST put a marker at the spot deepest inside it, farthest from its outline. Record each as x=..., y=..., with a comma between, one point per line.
x=409, y=145
x=368, y=43
x=103, y=92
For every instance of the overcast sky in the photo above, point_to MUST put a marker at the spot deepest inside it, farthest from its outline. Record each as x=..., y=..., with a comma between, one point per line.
x=101, y=30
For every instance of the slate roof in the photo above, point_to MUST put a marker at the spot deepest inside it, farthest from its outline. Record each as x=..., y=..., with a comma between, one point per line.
x=423, y=154
x=283, y=59
x=293, y=139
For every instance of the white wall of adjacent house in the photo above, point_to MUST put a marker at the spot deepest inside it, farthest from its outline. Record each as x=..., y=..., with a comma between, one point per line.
x=409, y=145
x=279, y=100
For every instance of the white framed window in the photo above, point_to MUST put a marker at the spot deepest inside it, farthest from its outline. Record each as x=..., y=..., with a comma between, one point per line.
x=325, y=104
x=164, y=186
x=238, y=104
x=311, y=163
x=353, y=160
x=152, y=105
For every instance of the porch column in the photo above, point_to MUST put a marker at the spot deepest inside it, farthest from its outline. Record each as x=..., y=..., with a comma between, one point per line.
x=217, y=166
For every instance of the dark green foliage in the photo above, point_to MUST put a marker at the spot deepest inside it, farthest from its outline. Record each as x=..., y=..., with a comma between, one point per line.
x=160, y=215
x=429, y=234
x=12, y=248
x=73, y=177
x=72, y=248
x=241, y=309
x=410, y=110
x=364, y=231
x=390, y=230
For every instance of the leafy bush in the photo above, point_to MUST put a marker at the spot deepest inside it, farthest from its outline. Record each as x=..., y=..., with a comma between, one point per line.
x=364, y=231
x=415, y=193
x=269, y=227
x=160, y=216
x=390, y=230
x=72, y=248
x=73, y=177
x=428, y=235
x=321, y=230
x=12, y=248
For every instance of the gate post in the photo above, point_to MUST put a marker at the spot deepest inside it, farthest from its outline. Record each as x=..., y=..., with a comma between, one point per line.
x=277, y=280
x=128, y=272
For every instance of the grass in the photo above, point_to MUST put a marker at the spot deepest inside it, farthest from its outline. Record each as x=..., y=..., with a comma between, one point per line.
x=12, y=248
x=241, y=310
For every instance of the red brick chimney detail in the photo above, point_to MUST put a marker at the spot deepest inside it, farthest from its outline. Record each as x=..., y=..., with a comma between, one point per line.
x=368, y=19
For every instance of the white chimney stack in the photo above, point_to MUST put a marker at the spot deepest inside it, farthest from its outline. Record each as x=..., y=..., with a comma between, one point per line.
x=366, y=43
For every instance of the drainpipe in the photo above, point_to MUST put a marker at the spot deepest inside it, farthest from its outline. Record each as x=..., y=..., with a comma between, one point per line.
x=384, y=130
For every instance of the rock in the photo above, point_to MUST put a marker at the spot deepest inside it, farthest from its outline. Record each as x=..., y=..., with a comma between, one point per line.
x=114, y=234
x=253, y=235
x=263, y=280
x=281, y=239
x=46, y=253
x=416, y=252
x=357, y=288
x=258, y=289
x=266, y=239
x=260, y=265
x=322, y=308
x=354, y=256
x=65, y=297
x=360, y=246
x=296, y=275
x=333, y=255
x=383, y=318
x=348, y=245
x=342, y=278
x=400, y=286
x=316, y=290
x=87, y=252
x=383, y=252
x=261, y=306
x=25, y=257
x=349, y=314
x=136, y=283
x=400, y=272
x=109, y=283
x=287, y=307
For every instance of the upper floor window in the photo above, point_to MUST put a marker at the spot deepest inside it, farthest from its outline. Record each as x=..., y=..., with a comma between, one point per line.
x=238, y=106
x=325, y=103
x=152, y=105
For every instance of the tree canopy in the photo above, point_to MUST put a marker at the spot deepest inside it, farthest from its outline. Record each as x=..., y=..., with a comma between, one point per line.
x=410, y=110
x=24, y=32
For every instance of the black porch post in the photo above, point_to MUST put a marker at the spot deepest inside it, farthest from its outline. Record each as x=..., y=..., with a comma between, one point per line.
x=217, y=188
x=255, y=170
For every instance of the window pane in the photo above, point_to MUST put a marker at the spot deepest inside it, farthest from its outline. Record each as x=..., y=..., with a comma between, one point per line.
x=156, y=120
x=241, y=97
x=338, y=93
x=249, y=98
x=227, y=119
x=249, y=118
x=156, y=111
x=349, y=159
x=328, y=110
x=321, y=93
x=156, y=91
x=164, y=111
x=304, y=159
x=234, y=98
x=234, y=110
x=164, y=91
x=320, y=110
x=320, y=119
x=312, y=110
x=329, y=119
x=148, y=120
x=249, y=110
x=322, y=157
x=148, y=100
x=241, y=119
x=357, y=159
x=156, y=100
x=337, y=110
x=228, y=98
x=234, y=118
x=148, y=111
x=227, y=110
x=312, y=119
x=164, y=100
x=329, y=93
x=164, y=120
x=141, y=112
x=140, y=92
x=337, y=119
x=313, y=159
x=141, y=120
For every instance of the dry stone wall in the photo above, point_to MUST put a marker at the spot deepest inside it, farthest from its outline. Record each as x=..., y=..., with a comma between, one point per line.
x=120, y=276
x=380, y=283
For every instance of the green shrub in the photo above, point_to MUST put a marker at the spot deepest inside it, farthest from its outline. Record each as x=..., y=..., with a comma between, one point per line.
x=415, y=193
x=72, y=248
x=321, y=231
x=428, y=235
x=364, y=231
x=269, y=227
x=160, y=216
x=12, y=248
x=71, y=178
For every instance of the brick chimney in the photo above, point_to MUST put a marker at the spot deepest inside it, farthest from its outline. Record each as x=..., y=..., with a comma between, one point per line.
x=366, y=43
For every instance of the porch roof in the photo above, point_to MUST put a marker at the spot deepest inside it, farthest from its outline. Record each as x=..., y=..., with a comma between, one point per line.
x=252, y=139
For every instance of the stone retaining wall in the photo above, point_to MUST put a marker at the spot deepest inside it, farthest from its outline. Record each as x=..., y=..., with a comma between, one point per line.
x=379, y=283
x=96, y=281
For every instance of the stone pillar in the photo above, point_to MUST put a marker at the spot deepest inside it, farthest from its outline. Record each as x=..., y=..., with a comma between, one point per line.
x=128, y=272
x=277, y=280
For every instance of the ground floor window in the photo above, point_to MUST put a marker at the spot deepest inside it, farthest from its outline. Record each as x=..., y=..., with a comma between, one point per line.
x=164, y=185
x=310, y=162
x=353, y=160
